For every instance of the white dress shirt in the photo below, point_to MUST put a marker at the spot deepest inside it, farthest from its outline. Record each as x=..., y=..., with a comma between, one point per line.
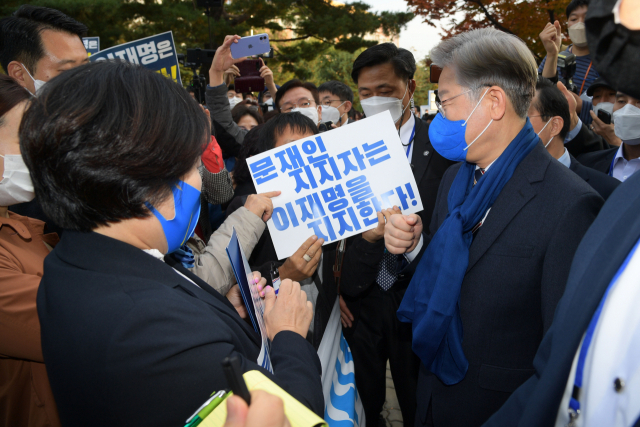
x=614, y=354
x=623, y=168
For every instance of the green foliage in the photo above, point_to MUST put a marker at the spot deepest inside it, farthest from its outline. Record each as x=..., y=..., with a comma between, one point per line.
x=303, y=29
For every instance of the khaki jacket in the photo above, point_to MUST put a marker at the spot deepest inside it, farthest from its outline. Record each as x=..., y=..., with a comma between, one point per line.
x=25, y=394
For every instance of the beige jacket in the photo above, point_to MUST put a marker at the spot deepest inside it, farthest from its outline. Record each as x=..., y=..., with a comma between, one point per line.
x=211, y=262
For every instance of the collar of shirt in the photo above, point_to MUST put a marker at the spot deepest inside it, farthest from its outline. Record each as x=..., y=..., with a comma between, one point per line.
x=574, y=132
x=565, y=159
x=487, y=168
x=405, y=135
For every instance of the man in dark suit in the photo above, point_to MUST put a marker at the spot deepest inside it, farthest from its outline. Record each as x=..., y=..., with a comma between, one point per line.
x=373, y=282
x=506, y=224
x=550, y=118
x=624, y=161
x=602, y=252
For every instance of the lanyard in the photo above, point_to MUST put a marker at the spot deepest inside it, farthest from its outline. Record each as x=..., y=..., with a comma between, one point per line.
x=574, y=402
x=585, y=77
x=413, y=132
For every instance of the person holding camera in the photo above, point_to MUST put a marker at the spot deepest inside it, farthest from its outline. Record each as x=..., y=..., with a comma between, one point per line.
x=551, y=38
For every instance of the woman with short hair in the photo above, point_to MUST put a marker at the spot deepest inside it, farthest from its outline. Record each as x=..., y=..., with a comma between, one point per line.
x=113, y=151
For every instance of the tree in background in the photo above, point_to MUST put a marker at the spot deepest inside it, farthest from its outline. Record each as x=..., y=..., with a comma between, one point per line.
x=303, y=29
x=524, y=18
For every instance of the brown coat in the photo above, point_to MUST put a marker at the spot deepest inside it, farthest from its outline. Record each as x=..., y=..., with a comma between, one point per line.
x=25, y=394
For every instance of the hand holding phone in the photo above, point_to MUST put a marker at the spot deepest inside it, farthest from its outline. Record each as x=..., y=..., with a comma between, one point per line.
x=252, y=45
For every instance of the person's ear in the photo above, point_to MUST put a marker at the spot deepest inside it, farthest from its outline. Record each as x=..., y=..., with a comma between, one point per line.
x=319, y=108
x=347, y=106
x=16, y=70
x=556, y=125
x=499, y=102
x=412, y=87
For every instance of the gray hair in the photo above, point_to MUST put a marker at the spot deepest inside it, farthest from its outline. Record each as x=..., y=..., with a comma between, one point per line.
x=489, y=57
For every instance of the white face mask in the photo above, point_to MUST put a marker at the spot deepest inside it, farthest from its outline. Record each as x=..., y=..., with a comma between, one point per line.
x=36, y=83
x=378, y=104
x=269, y=104
x=604, y=106
x=234, y=101
x=311, y=112
x=331, y=114
x=627, y=124
x=543, y=128
x=578, y=34
x=16, y=186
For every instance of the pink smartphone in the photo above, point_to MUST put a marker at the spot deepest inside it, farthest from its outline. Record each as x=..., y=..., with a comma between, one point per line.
x=252, y=45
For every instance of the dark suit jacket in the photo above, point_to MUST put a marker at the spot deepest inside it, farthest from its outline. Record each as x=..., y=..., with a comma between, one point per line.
x=602, y=183
x=361, y=267
x=128, y=341
x=599, y=160
x=518, y=265
x=599, y=256
x=586, y=142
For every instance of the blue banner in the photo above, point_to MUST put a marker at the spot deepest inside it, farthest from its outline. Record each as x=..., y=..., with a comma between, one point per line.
x=157, y=53
x=91, y=44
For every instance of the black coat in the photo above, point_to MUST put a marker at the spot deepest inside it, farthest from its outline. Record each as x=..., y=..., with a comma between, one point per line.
x=128, y=341
x=361, y=267
x=600, y=254
x=599, y=160
x=518, y=265
x=586, y=141
x=602, y=183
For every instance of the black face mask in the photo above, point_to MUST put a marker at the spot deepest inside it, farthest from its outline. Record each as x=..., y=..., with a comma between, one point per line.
x=615, y=49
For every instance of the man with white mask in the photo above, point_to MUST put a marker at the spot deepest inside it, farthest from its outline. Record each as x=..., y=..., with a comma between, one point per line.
x=384, y=76
x=25, y=396
x=551, y=38
x=296, y=96
x=336, y=99
x=550, y=118
x=620, y=162
x=39, y=43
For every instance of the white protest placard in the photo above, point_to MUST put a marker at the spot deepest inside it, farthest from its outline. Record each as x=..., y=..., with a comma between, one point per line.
x=333, y=183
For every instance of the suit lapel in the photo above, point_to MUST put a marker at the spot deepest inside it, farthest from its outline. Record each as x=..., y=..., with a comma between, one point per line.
x=206, y=293
x=515, y=194
x=422, y=151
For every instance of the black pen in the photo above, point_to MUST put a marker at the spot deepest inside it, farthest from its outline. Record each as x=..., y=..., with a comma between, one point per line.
x=231, y=367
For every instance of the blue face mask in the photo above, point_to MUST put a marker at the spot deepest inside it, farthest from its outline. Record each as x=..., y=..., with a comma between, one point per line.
x=448, y=137
x=186, y=201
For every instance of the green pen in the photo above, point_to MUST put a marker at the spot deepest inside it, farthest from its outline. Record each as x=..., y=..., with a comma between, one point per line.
x=206, y=408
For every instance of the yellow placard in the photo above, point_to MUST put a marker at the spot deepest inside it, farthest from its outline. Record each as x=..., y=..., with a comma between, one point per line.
x=298, y=414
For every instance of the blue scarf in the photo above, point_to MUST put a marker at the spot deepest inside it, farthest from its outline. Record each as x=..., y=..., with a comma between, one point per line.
x=431, y=302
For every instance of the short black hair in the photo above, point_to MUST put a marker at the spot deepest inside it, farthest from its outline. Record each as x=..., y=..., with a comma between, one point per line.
x=11, y=94
x=241, y=110
x=104, y=138
x=574, y=4
x=338, y=89
x=292, y=84
x=20, y=34
x=263, y=138
x=550, y=102
x=404, y=64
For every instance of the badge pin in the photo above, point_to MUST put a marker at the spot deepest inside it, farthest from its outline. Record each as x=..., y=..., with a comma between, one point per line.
x=426, y=153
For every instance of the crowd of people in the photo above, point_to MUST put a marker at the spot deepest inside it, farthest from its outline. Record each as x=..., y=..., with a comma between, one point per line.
x=510, y=299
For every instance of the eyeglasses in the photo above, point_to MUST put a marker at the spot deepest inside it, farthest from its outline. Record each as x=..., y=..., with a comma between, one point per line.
x=439, y=104
x=300, y=103
x=328, y=102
